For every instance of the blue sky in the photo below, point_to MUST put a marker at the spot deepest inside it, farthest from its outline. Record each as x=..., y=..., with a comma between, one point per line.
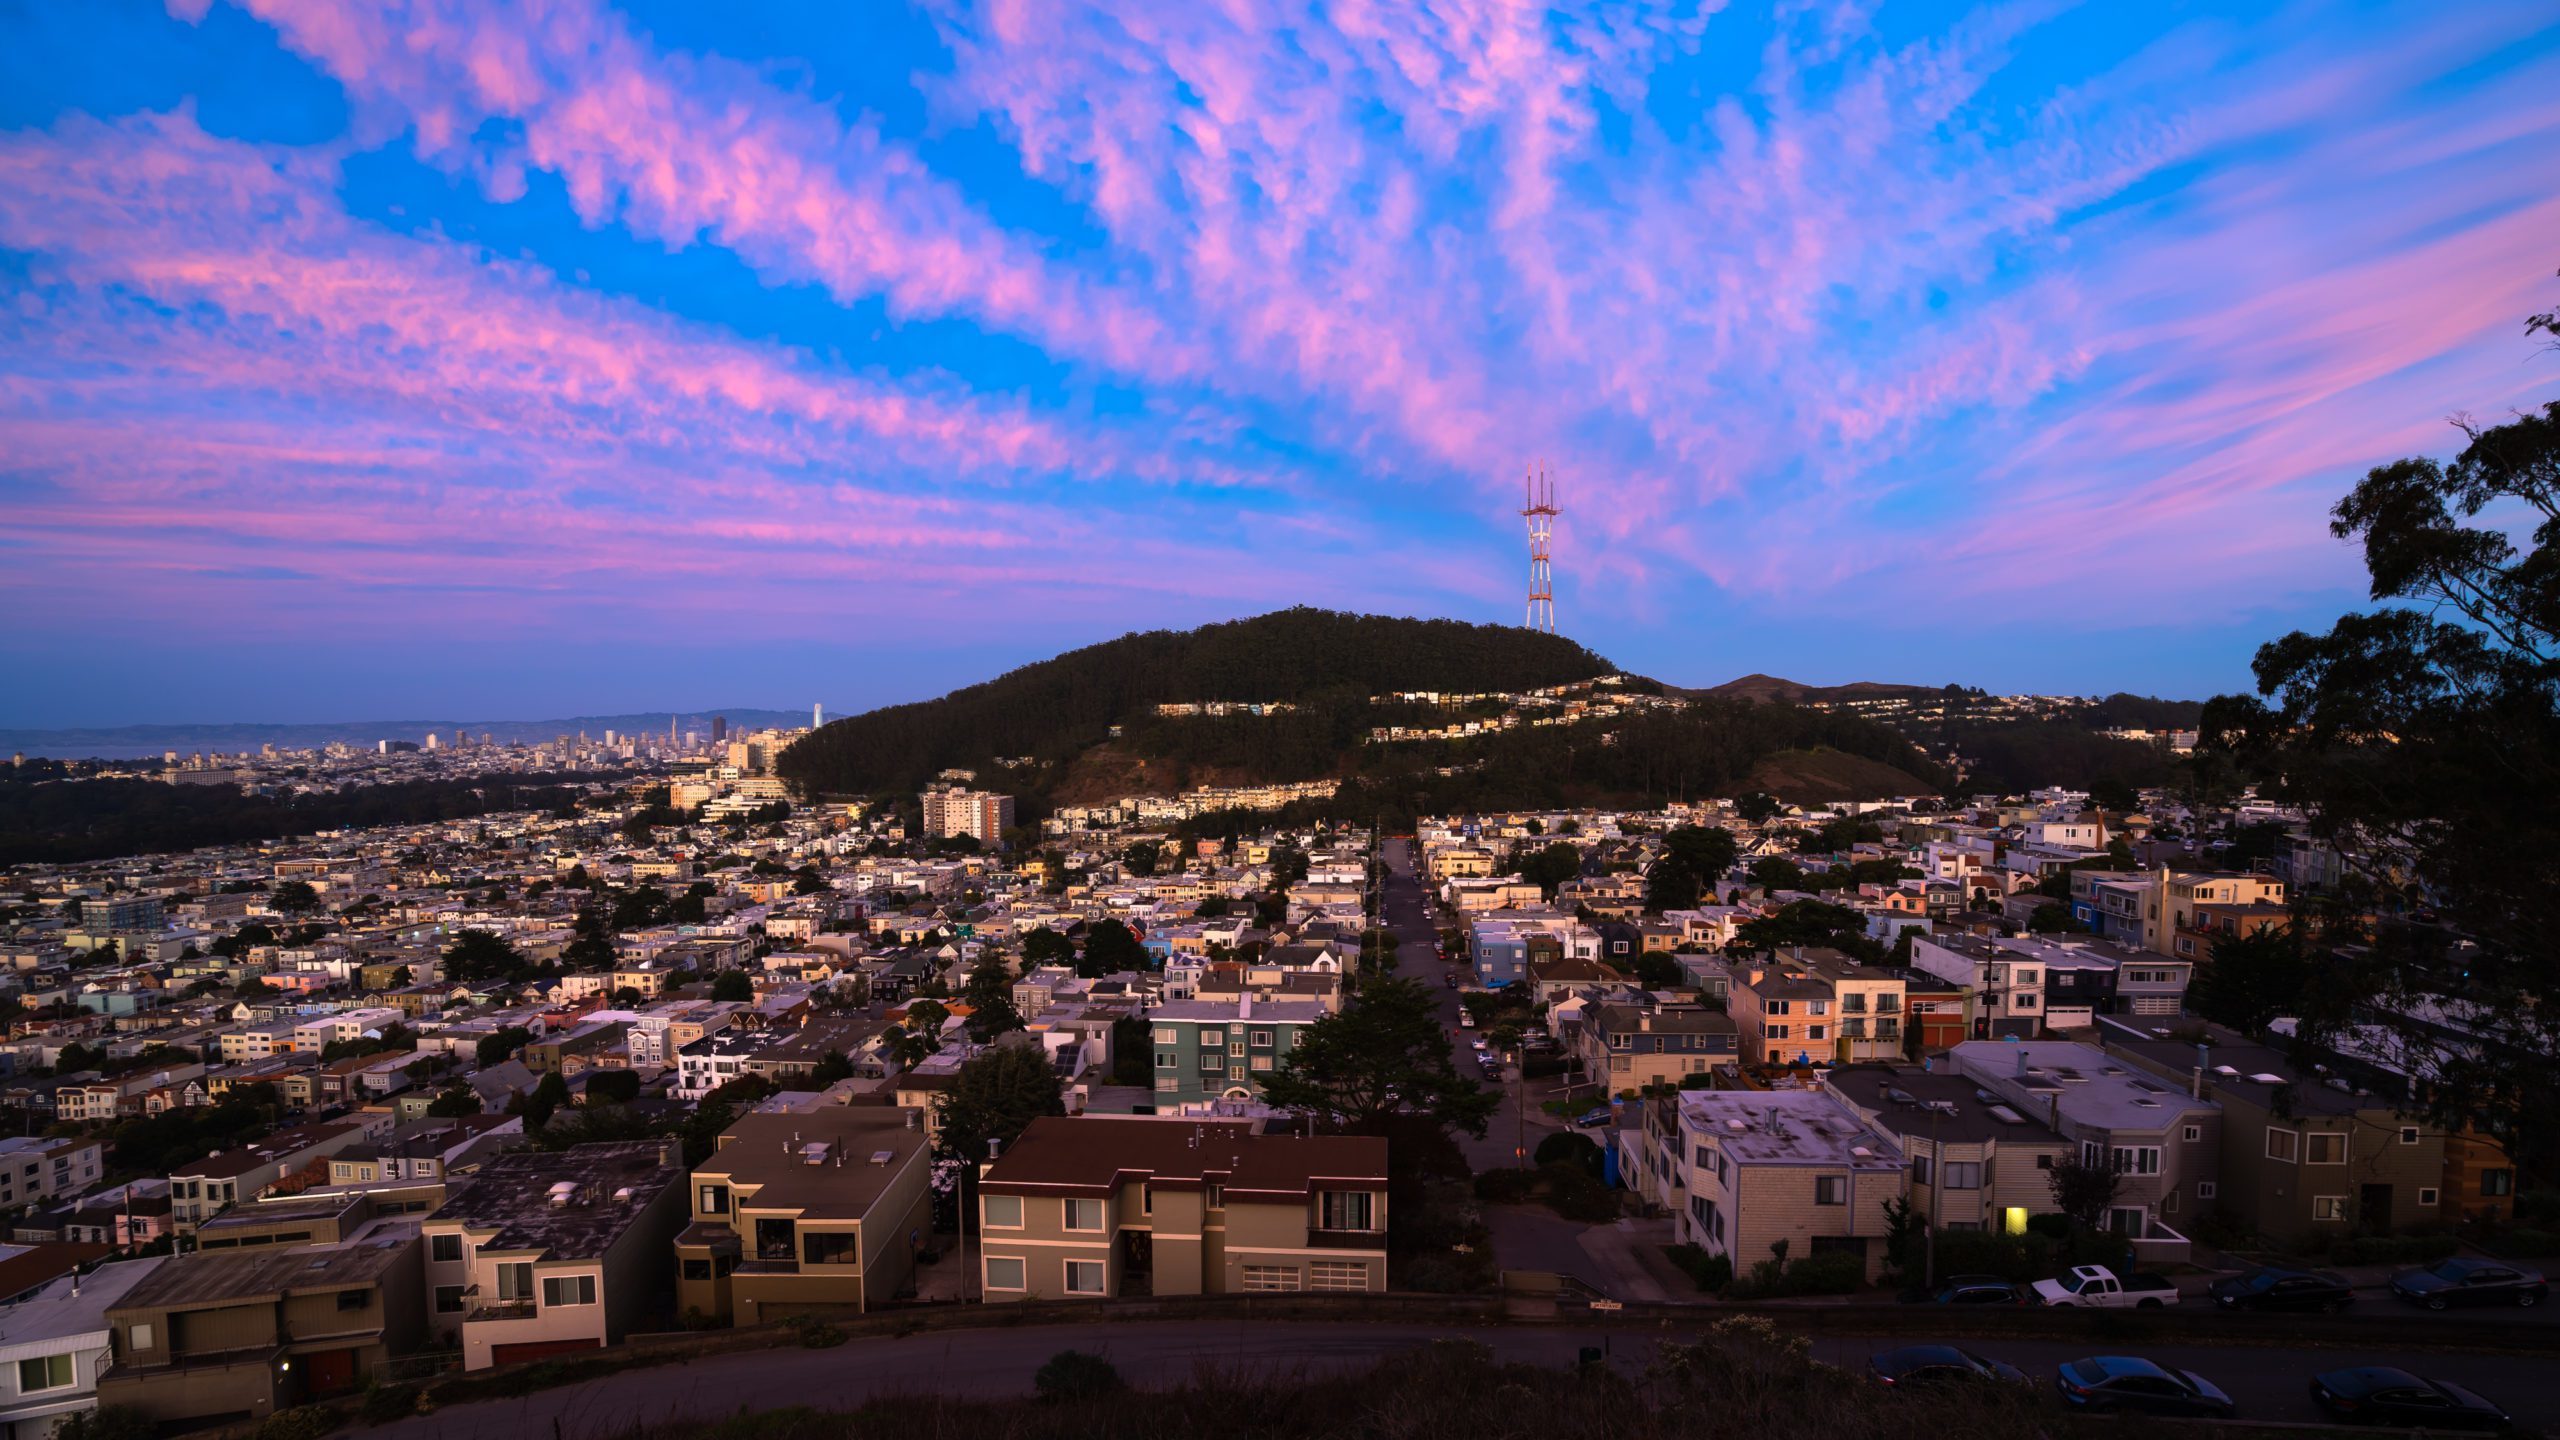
x=437, y=357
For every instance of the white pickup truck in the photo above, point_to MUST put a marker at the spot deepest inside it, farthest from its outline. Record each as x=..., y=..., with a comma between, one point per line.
x=2095, y=1287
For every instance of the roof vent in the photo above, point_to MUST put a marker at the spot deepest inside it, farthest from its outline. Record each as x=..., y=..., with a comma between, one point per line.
x=883, y=1157
x=2265, y=1079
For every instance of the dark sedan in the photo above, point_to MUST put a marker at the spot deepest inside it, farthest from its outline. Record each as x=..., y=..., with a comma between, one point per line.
x=2375, y=1395
x=2271, y=1288
x=1965, y=1290
x=1939, y=1366
x=2469, y=1280
x=2104, y=1384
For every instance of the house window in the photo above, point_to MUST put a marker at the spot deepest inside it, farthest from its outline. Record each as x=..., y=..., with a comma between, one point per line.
x=354, y=1299
x=1340, y=1276
x=1773, y=1032
x=2136, y=1159
x=1217, y=1197
x=1815, y=1032
x=515, y=1281
x=1920, y=1169
x=45, y=1372
x=2408, y=1134
x=1964, y=1174
x=1001, y=1212
x=2192, y=1134
x=1084, y=1277
x=831, y=1247
x=2283, y=1145
x=2497, y=1182
x=2426, y=1197
x=1271, y=1277
x=1084, y=1215
x=696, y=1269
x=1004, y=1272
x=1348, y=1210
x=449, y=1297
x=1167, y=1035
x=1262, y=1038
x=713, y=1200
x=444, y=1248
x=2324, y=1149
x=568, y=1290
x=1831, y=1190
x=2328, y=1207
x=2206, y=1189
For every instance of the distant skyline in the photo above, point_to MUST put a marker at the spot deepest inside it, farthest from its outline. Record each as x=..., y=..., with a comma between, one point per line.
x=449, y=358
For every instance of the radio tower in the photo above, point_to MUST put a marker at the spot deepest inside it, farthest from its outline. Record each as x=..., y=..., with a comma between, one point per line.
x=1541, y=515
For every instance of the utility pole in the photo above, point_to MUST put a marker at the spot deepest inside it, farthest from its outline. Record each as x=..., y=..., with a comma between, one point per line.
x=1929, y=1235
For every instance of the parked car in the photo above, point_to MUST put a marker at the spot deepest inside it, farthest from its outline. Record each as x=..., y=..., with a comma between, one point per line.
x=2470, y=1280
x=2105, y=1383
x=1966, y=1290
x=2377, y=1395
x=2271, y=1287
x=1466, y=1020
x=1593, y=1119
x=2095, y=1287
x=1937, y=1366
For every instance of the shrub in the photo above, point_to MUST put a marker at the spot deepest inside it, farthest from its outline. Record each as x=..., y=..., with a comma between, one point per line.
x=1578, y=1195
x=302, y=1422
x=1075, y=1375
x=2052, y=1226
x=2527, y=1244
x=1506, y=1187
x=1568, y=1148
x=2391, y=1249
x=381, y=1404
x=113, y=1422
x=1710, y=1273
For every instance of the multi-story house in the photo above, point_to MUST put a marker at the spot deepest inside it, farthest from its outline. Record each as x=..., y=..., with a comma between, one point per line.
x=713, y=1061
x=1630, y=1047
x=1976, y=1164
x=1101, y=1206
x=35, y=1168
x=546, y=1254
x=1754, y=1168
x=55, y=1343
x=2104, y=978
x=2305, y=1157
x=228, y=1177
x=1209, y=1050
x=2165, y=1143
x=807, y=1212
x=1816, y=1006
x=2004, y=991
x=224, y=1336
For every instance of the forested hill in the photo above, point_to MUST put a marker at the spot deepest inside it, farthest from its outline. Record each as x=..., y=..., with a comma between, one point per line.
x=1056, y=709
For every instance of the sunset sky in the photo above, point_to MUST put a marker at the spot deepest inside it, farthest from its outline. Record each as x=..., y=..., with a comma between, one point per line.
x=567, y=357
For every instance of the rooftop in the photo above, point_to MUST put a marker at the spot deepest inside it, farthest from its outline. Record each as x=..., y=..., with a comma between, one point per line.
x=833, y=1162
x=1788, y=1127
x=1096, y=1152
x=515, y=1195
x=211, y=1277
x=72, y=1305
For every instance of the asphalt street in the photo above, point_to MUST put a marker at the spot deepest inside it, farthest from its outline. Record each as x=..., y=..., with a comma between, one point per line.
x=2267, y=1383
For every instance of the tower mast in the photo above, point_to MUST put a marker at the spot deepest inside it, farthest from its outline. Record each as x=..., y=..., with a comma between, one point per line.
x=1541, y=514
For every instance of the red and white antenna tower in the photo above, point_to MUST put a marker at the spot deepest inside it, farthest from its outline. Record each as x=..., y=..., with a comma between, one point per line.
x=1541, y=515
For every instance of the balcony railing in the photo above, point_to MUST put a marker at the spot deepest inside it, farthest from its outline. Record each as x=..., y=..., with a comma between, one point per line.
x=1346, y=1239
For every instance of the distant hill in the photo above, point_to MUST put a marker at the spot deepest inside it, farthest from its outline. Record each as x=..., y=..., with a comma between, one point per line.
x=1054, y=709
x=1770, y=687
x=1084, y=726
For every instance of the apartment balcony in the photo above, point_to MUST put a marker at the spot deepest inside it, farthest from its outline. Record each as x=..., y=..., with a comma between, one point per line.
x=1346, y=1239
x=499, y=1310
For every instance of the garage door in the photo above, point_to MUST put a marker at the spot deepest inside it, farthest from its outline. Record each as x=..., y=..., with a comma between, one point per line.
x=539, y=1350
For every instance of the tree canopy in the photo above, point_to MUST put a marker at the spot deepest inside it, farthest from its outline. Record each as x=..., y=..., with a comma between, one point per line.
x=2421, y=740
x=1381, y=1055
x=996, y=1096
